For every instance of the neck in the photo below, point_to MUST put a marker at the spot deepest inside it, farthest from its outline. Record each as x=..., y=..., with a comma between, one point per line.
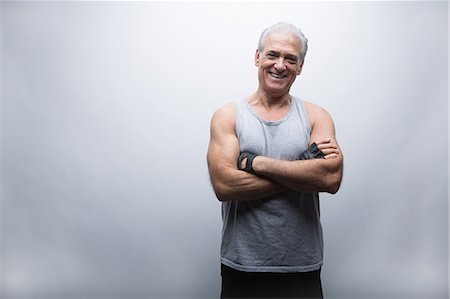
x=265, y=100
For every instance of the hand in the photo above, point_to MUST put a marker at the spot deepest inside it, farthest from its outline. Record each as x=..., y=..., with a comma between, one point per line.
x=312, y=152
x=328, y=148
x=245, y=162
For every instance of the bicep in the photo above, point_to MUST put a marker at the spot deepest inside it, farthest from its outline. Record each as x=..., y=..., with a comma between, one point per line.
x=322, y=125
x=223, y=148
x=228, y=182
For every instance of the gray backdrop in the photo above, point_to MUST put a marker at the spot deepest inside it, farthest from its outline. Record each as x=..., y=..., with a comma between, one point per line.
x=105, y=110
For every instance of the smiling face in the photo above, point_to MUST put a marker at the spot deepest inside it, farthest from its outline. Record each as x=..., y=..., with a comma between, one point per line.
x=279, y=63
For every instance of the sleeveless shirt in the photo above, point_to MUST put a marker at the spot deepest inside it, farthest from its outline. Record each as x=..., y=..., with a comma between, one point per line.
x=280, y=233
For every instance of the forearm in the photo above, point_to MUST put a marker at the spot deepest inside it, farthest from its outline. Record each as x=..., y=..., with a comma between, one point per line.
x=315, y=175
x=233, y=184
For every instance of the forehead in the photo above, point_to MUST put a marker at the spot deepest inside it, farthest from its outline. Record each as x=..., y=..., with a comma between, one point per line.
x=282, y=42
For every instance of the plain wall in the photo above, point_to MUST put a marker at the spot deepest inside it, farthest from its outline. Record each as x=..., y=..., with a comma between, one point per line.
x=105, y=126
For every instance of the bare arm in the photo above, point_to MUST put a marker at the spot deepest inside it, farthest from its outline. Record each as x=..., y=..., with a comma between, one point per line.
x=228, y=182
x=316, y=175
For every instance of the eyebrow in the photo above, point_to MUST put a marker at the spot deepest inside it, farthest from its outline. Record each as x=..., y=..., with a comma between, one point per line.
x=273, y=52
x=288, y=56
x=292, y=57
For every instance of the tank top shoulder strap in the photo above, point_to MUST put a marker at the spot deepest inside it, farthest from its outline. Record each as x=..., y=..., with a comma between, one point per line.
x=303, y=113
x=239, y=105
x=240, y=109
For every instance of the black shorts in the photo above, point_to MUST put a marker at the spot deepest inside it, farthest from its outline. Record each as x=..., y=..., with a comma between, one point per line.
x=239, y=284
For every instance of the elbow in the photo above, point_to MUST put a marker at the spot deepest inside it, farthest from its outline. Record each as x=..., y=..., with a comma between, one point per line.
x=332, y=183
x=218, y=190
x=332, y=179
x=333, y=189
x=223, y=190
x=222, y=193
x=221, y=196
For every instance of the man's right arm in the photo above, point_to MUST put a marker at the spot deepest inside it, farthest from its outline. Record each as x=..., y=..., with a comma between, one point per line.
x=228, y=182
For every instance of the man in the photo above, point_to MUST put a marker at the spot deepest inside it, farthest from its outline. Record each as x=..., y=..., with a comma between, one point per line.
x=269, y=156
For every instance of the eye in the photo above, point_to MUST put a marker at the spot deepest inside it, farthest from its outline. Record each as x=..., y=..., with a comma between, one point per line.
x=292, y=60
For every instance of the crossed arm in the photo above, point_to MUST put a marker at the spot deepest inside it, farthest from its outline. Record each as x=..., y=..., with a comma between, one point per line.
x=272, y=176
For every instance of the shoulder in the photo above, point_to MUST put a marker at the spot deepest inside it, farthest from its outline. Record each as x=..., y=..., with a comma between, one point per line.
x=225, y=116
x=228, y=111
x=316, y=113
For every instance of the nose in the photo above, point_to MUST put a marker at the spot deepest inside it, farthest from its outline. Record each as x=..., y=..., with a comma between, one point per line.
x=279, y=64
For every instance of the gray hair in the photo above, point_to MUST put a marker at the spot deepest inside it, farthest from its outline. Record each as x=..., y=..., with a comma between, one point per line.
x=285, y=27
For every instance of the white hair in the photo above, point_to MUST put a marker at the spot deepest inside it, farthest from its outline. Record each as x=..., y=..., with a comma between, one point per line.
x=285, y=27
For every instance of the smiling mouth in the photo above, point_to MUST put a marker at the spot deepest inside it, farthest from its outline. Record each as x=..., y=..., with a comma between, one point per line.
x=277, y=76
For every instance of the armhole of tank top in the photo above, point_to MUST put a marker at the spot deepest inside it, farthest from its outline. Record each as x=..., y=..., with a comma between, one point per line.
x=305, y=117
x=237, y=112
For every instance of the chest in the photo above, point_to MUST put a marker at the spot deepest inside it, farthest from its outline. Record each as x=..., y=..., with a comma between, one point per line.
x=280, y=140
x=273, y=114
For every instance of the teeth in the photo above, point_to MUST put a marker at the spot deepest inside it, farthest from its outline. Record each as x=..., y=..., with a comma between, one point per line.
x=276, y=76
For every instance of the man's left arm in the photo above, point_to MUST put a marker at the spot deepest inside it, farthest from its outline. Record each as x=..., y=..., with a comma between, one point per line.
x=315, y=175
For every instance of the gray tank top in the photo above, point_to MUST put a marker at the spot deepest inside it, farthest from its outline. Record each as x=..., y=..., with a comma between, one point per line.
x=281, y=233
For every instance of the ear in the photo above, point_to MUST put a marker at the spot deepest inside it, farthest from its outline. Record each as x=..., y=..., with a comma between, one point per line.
x=257, y=57
x=300, y=68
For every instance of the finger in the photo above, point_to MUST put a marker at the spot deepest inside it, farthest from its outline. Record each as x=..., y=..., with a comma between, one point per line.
x=243, y=162
x=327, y=145
x=323, y=141
x=331, y=156
x=330, y=151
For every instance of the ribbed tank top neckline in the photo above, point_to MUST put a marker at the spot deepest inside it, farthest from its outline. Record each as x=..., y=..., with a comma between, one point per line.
x=271, y=122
